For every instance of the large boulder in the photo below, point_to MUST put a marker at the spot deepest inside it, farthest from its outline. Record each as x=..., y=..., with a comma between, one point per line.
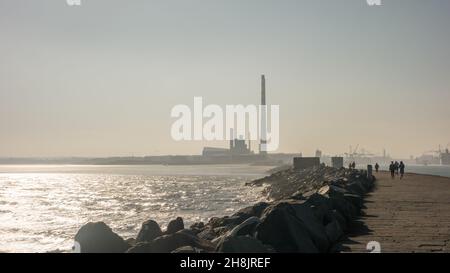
x=337, y=199
x=175, y=225
x=282, y=229
x=313, y=224
x=224, y=224
x=169, y=243
x=245, y=228
x=97, y=237
x=207, y=234
x=357, y=188
x=197, y=227
x=255, y=210
x=334, y=231
x=242, y=244
x=149, y=231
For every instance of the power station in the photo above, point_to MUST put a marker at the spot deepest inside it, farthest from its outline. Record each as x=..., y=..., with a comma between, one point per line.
x=238, y=146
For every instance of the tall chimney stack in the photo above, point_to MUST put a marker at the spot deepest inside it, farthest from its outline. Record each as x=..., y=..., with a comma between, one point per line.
x=231, y=139
x=263, y=127
x=263, y=90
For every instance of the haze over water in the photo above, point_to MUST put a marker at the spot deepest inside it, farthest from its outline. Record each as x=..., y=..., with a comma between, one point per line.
x=42, y=207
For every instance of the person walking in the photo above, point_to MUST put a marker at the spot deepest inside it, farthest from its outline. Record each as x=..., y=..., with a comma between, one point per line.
x=396, y=167
x=402, y=169
x=377, y=167
x=392, y=169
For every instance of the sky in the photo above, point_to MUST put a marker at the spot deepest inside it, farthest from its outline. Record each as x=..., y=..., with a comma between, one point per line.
x=100, y=79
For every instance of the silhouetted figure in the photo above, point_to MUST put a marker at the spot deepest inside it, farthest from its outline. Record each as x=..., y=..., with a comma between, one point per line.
x=353, y=165
x=402, y=169
x=376, y=167
x=392, y=169
x=396, y=167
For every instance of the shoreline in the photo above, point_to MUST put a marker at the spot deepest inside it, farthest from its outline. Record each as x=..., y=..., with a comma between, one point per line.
x=408, y=177
x=312, y=219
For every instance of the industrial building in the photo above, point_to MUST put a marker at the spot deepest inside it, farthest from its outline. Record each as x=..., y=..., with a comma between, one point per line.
x=238, y=146
x=445, y=158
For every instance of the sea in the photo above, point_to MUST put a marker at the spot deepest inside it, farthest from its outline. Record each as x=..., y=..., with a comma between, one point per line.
x=43, y=206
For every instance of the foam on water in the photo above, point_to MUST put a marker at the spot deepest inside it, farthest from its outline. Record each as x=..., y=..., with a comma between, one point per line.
x=42, y=207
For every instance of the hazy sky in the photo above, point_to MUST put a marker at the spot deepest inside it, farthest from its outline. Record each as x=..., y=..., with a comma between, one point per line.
x=101, y=79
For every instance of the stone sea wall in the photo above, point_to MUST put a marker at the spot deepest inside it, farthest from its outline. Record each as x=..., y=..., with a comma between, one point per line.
x=309, y=211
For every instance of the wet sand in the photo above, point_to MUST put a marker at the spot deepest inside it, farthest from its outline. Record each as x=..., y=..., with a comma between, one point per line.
x=409, y=215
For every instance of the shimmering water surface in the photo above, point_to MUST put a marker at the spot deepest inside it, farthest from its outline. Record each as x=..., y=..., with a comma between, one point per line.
x=42, y=207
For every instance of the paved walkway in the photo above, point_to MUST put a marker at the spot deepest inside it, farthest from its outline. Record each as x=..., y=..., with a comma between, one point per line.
x=409, y=215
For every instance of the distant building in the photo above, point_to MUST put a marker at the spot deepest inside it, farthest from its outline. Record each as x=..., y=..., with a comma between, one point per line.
x=239, y=147
x=337, y=162
x=213, y=151
x=445, y=158
x=318, y=153
x=301, y=163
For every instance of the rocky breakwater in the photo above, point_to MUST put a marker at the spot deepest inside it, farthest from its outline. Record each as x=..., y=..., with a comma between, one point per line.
x=309, y=211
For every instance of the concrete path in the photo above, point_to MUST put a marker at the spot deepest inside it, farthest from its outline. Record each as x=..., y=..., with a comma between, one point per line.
x=409, y=215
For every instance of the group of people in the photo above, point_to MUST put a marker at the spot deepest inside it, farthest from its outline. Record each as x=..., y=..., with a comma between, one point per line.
x=352, y=165
x=397, y=168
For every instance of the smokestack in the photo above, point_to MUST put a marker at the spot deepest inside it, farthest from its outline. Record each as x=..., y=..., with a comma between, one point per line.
x=263, y=132
x=263, y=90
x=249, y=142
x=231, y=139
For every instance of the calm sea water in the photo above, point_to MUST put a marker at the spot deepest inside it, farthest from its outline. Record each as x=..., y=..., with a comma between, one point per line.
x=42, y=207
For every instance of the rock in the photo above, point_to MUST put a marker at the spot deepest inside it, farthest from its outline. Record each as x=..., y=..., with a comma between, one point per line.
x=99, y=238
x=175, y=225
x=355, y=199
x=255, y=210
x=356, y=188
x=345, y=208
x=331, y=190
x=169, y=243
x=199, y=226
x=221, y=230
x=207, y=234
x=245, y=228
x=142, y=247
x=313, y=224
x=149, y=231
x=281, y=229
x=337, y=199
x=130, y=241
x=333, y=231
x=321, y=206
x=340, y=219
x=242, y=244
x=187, y=249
